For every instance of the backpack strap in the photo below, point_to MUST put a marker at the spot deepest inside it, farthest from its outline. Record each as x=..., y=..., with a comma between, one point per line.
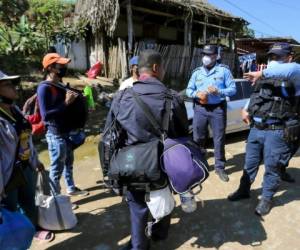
x=161, y=131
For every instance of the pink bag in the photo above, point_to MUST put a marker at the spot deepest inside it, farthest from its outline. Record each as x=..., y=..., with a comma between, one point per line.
x=94, y=70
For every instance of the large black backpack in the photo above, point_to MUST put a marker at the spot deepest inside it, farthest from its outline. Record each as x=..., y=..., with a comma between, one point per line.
x=76, y=113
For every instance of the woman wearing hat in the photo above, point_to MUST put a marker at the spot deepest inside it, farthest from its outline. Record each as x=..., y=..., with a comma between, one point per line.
x=53, y=98
x=18, y=157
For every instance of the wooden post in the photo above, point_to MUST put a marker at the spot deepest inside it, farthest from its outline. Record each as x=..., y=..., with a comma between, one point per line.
x=130, y=27
x=188, y=25
x=189, y=34
x=231, y=45
x=220, y=24
x=204, y=29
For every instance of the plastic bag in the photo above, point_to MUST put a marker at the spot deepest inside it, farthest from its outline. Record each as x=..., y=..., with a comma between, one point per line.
x=161, y=203
x=94, y=70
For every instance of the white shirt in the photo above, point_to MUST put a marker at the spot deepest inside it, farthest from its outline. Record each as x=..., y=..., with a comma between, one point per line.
x=127, y=83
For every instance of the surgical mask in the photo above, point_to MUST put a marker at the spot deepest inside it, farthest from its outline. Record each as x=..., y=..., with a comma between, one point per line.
x=206, y=60
x=62, y=72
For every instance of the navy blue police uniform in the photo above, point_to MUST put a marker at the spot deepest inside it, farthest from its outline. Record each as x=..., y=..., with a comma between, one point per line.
x=272, y=109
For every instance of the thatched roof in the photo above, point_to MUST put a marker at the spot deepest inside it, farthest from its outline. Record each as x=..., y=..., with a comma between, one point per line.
x=104, y=14
x=99, y=14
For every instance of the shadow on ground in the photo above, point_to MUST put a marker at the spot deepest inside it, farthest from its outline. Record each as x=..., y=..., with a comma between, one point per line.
x=211, y=226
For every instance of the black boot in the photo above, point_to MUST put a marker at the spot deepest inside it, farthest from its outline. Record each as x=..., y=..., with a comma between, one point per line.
x=263, y=207
x=285, y=176
x=243, y=192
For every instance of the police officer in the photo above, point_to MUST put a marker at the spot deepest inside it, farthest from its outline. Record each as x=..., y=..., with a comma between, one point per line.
x=138, y=129
x=272, y=108
x=209, y=86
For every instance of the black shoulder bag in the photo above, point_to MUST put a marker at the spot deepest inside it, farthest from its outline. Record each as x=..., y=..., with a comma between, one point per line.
x=138, y=166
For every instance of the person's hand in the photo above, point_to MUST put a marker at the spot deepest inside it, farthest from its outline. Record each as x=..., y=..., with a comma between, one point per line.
x=213, y=90
x=202, y=95
x=40, y=167
x=245, y=116
x=253, y=76
x=70, y=97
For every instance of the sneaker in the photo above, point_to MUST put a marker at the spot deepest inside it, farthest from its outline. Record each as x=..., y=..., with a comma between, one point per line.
x=263, y=207
x=222, y=175
x=74, y=206
x=78, y=192
x=107, y=183
x=127, y=246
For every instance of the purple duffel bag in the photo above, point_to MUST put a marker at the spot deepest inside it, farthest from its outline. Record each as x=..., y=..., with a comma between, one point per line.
x=184, y=163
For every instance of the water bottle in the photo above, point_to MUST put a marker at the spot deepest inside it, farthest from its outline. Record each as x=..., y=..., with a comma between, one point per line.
x=188, y=202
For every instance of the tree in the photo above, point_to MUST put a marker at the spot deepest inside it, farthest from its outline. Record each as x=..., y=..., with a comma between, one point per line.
x=48, y=17
x=29, y=27
x=11, y=11
x=245, y=31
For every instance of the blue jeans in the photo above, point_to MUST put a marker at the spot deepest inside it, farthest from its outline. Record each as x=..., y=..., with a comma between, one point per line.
x=270, y=146
x=216, y=118
x=61, y=158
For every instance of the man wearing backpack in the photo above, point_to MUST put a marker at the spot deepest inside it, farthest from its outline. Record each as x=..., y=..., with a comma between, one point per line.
x=54, y=99
x=138, y=129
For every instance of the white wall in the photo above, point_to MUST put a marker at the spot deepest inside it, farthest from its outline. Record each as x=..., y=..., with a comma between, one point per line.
x=77, y=53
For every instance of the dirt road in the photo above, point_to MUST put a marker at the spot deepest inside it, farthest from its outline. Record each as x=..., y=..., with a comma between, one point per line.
x=219, y=224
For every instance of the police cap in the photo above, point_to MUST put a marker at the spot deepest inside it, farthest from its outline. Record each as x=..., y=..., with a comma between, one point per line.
x=280, y=49
x=210, y=50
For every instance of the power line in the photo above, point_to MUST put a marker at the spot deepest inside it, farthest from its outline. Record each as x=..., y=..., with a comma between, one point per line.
x=249, y=14
x=262, y=33
x=285, y=5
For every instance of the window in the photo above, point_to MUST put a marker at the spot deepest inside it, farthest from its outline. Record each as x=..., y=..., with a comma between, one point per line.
x=247, y=89
x=239, y=92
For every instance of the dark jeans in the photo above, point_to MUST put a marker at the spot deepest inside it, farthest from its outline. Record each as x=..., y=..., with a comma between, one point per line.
x=139, y=213
x=270, y=146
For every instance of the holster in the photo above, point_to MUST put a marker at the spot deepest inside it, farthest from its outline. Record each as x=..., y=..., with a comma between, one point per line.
x=292, y=130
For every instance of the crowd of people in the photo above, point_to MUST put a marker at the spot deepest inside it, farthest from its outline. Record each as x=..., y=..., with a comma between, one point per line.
x=272, y=114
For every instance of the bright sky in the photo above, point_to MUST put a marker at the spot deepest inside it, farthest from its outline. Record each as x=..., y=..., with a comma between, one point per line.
x=267, y=17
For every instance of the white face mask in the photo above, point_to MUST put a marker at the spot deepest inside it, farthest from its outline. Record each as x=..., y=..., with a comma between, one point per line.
x=206, y=60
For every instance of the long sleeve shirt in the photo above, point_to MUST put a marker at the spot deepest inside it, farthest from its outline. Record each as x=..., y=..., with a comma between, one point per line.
x=52, y=106
x=288, y=71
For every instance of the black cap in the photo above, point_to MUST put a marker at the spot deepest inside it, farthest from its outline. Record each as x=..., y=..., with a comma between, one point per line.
x=210, y=50
x=280, y=49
